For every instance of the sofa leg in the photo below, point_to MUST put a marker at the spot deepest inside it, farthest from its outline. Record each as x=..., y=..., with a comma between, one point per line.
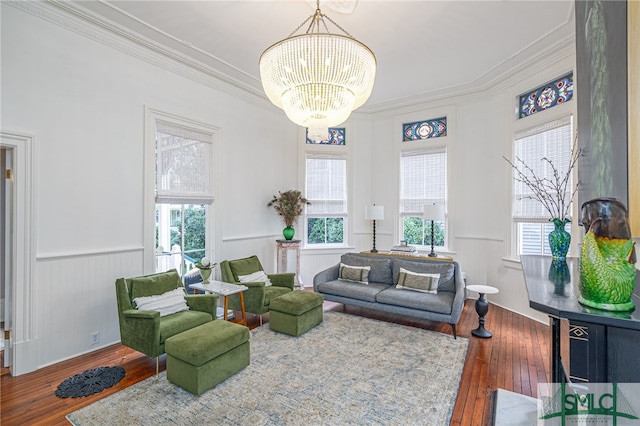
x=453, y=326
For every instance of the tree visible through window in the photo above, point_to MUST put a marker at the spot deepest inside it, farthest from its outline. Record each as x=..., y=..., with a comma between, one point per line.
x=183, y=195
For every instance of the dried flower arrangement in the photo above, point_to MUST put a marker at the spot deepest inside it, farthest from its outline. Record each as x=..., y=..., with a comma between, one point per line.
x=289, y=205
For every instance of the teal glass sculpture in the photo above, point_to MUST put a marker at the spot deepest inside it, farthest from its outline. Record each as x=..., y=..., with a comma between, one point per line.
x=559, y=239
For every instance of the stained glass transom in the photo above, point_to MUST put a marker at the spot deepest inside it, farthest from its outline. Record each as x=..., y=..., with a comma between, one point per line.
x=336, y=136
x=546, y=96
x=425, y=129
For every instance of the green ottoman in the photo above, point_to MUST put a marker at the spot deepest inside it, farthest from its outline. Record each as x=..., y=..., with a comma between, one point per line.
x=200, y=358
x=296, y=312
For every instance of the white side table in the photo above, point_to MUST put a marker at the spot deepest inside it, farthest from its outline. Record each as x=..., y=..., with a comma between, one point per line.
x=225, y=290
x=482, y=307
x=284, y=247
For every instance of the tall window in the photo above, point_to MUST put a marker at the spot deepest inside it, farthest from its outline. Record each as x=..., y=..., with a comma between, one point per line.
x=423, y=181
x=184, y=192
x=326, y=190
x=552, y=140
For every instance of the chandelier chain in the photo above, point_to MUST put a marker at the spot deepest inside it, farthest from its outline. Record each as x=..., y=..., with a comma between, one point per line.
x=315, y=19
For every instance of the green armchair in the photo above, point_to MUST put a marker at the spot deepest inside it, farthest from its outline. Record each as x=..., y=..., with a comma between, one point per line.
x=146, y=331
x=258, y=297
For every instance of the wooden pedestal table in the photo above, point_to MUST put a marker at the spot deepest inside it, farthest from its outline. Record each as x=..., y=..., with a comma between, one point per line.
x=225, y=290
x=482, y=307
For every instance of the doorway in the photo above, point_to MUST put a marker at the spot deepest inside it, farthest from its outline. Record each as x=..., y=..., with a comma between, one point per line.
x=17, y=261
x=6, y=248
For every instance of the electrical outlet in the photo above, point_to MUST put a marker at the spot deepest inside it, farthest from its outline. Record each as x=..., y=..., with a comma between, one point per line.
x=95, y=337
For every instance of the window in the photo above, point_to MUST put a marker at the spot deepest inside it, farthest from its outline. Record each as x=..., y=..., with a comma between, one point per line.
x=546, y=96
x=552, y=140
x=425, y=129
x=326, y=190
x=184, y=194
x=423, y=180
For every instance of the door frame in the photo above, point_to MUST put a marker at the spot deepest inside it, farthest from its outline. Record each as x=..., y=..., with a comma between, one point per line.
x=23, y=348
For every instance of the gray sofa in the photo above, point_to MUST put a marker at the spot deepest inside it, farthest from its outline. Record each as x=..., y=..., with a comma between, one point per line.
x=381, y=292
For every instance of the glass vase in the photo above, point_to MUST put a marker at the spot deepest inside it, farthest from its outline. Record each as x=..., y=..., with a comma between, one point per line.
x=205, y=274
x=559, y=239
x=288, y=233
x=607, y=256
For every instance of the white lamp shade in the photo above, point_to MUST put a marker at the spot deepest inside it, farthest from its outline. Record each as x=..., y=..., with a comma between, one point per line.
x=433, y=212
x=374, y=212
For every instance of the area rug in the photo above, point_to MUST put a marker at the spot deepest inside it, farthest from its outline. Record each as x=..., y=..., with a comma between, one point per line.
x=89, y=382
x=347, y=370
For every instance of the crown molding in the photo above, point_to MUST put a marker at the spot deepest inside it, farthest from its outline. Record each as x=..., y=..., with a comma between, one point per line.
x=73, y=17
x=214, y=73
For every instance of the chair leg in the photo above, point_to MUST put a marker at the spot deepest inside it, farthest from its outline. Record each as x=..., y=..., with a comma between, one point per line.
x=260, y=320
x=157, y=365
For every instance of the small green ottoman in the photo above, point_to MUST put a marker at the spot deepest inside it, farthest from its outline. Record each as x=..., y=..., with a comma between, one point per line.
x=296, y=312
x=200, y=358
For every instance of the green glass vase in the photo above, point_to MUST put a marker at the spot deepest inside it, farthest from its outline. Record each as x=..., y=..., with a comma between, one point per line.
x=205, y=274
x=559, y=239
x=288, y=233
x=607, y=257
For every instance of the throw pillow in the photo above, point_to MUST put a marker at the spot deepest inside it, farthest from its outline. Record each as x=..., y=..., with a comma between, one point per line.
x=426, y=283
x=256, y=277
x=358, y=274
x=166, y=303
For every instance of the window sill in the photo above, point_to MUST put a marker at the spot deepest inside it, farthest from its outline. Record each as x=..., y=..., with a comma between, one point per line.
x=326, y=249
x=512, y=263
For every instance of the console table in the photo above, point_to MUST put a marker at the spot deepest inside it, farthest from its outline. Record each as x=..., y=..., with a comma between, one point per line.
x=422, y=256
x=588, y=345
x=284, y=247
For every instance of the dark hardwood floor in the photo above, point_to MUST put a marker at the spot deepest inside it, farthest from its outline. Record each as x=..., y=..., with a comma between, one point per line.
x=516, y=358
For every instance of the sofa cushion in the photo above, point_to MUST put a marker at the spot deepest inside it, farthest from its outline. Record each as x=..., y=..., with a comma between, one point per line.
x=380, y=266
x=445, y=269
x=273, y=292
x=153, y=285
x=426, y=283
x=440, y=303
x=256, y=277
x=245, y=266
x=181, y=321
x=352, y=290
x=166, y=303
x=357, y=274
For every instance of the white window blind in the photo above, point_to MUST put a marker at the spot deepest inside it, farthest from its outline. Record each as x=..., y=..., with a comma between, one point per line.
x=326, y=185
x=553, y=141
x=423, y=180
x=183, y=165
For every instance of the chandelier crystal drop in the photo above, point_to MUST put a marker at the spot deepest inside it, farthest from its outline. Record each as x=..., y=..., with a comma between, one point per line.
x=318, y=78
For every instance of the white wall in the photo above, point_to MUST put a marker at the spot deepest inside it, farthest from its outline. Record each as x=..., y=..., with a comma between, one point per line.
x=83, y=98
x=84, y=102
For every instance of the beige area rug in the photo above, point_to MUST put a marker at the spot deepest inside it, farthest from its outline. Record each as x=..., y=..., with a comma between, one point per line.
x=348, y=370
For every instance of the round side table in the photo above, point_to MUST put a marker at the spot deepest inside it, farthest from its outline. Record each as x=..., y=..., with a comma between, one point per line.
x=482, y=307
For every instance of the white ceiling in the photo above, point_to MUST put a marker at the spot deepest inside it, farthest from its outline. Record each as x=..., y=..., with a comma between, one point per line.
x=423, y=48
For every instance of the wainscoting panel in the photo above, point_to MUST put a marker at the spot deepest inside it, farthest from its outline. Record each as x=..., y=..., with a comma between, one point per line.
x=76, y=297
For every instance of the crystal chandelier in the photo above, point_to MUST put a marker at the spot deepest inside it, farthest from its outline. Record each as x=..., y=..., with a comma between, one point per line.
x=318, y=78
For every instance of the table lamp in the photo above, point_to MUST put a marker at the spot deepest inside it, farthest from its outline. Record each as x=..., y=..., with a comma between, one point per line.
x=374, y=213
x=434, y=213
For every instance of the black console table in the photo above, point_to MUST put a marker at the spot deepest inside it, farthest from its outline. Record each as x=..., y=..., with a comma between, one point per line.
x=588, y=344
